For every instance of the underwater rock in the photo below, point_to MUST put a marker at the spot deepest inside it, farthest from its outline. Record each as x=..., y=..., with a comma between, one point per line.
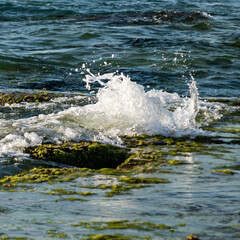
x=84, y=155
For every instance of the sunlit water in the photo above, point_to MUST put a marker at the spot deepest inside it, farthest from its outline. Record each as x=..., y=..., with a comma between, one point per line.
x=125, y=68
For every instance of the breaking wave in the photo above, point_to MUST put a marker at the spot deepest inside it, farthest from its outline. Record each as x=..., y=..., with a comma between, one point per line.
x=123, y=107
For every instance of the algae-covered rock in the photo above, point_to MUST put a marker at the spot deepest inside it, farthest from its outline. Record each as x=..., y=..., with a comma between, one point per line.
x=18, y=97
x=85, y=154
x=40, y=175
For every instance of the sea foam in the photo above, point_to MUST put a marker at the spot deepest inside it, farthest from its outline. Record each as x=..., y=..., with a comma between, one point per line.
x=123, y=107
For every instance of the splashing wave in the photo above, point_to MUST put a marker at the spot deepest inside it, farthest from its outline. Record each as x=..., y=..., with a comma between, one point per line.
x=123, y=108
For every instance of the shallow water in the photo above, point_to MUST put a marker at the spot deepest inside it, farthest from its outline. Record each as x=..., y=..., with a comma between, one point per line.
x=154, y=67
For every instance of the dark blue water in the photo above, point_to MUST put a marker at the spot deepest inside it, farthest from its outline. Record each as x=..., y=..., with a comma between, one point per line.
x=157, y=43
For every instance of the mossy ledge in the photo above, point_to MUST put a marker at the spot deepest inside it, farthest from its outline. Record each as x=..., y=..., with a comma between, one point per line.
x=18, y=97
x=84, y=155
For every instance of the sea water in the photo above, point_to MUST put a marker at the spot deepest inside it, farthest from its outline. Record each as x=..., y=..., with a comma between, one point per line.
x=132, y=68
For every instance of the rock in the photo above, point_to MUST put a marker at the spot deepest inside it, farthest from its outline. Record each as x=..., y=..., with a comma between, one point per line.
x=84, y=154
x=191, y=237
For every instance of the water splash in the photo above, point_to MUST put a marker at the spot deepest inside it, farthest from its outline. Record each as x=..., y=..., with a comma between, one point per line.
x=123, y=107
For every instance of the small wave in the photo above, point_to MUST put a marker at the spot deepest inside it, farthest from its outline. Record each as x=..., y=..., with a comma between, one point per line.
x=123, y=107
x=158, y=17
x=19, y=12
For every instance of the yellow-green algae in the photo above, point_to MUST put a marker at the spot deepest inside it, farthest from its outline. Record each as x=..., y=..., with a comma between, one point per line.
x=120, y=189
x=12, y=238
x=18, y=97
x=224, y=171
x=176, y=162
x=45, y=175
x=53, y=233
x=61, y=191
x=154, y=159
x=85, y=154
x=54, y=175
x=123, y=224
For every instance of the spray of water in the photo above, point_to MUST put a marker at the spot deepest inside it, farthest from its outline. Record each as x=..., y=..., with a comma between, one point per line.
x=123, y=107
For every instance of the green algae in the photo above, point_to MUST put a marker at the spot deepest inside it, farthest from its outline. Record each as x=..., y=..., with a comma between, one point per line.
x=182, y=225
x=176, y=162
x=44, y=175
x=18, y=97
x=122, y=189
x=12, y=238
x=117, y=189
x=133, y=163
x=53, y=175
x=109, y=171
x=61, y=191
x=224, y=171
x=123, y=224
x=85, y=154
x=53, y=233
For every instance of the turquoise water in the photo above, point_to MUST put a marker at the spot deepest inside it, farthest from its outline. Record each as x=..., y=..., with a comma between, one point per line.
x=163, y=47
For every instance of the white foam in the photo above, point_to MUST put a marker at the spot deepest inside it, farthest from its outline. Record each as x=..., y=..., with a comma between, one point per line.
x=13, y=143
x=123, y=108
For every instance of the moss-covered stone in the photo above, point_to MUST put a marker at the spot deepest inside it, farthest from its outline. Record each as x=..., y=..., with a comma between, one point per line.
x=85, y=154
x=18, y=97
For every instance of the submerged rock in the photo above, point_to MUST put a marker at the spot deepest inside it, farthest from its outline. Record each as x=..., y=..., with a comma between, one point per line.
x=85, y=154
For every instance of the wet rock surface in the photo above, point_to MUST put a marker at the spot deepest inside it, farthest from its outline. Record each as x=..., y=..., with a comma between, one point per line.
x=85, y=154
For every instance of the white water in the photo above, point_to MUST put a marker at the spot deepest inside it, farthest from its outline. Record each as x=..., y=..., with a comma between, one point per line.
x=123, y=108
